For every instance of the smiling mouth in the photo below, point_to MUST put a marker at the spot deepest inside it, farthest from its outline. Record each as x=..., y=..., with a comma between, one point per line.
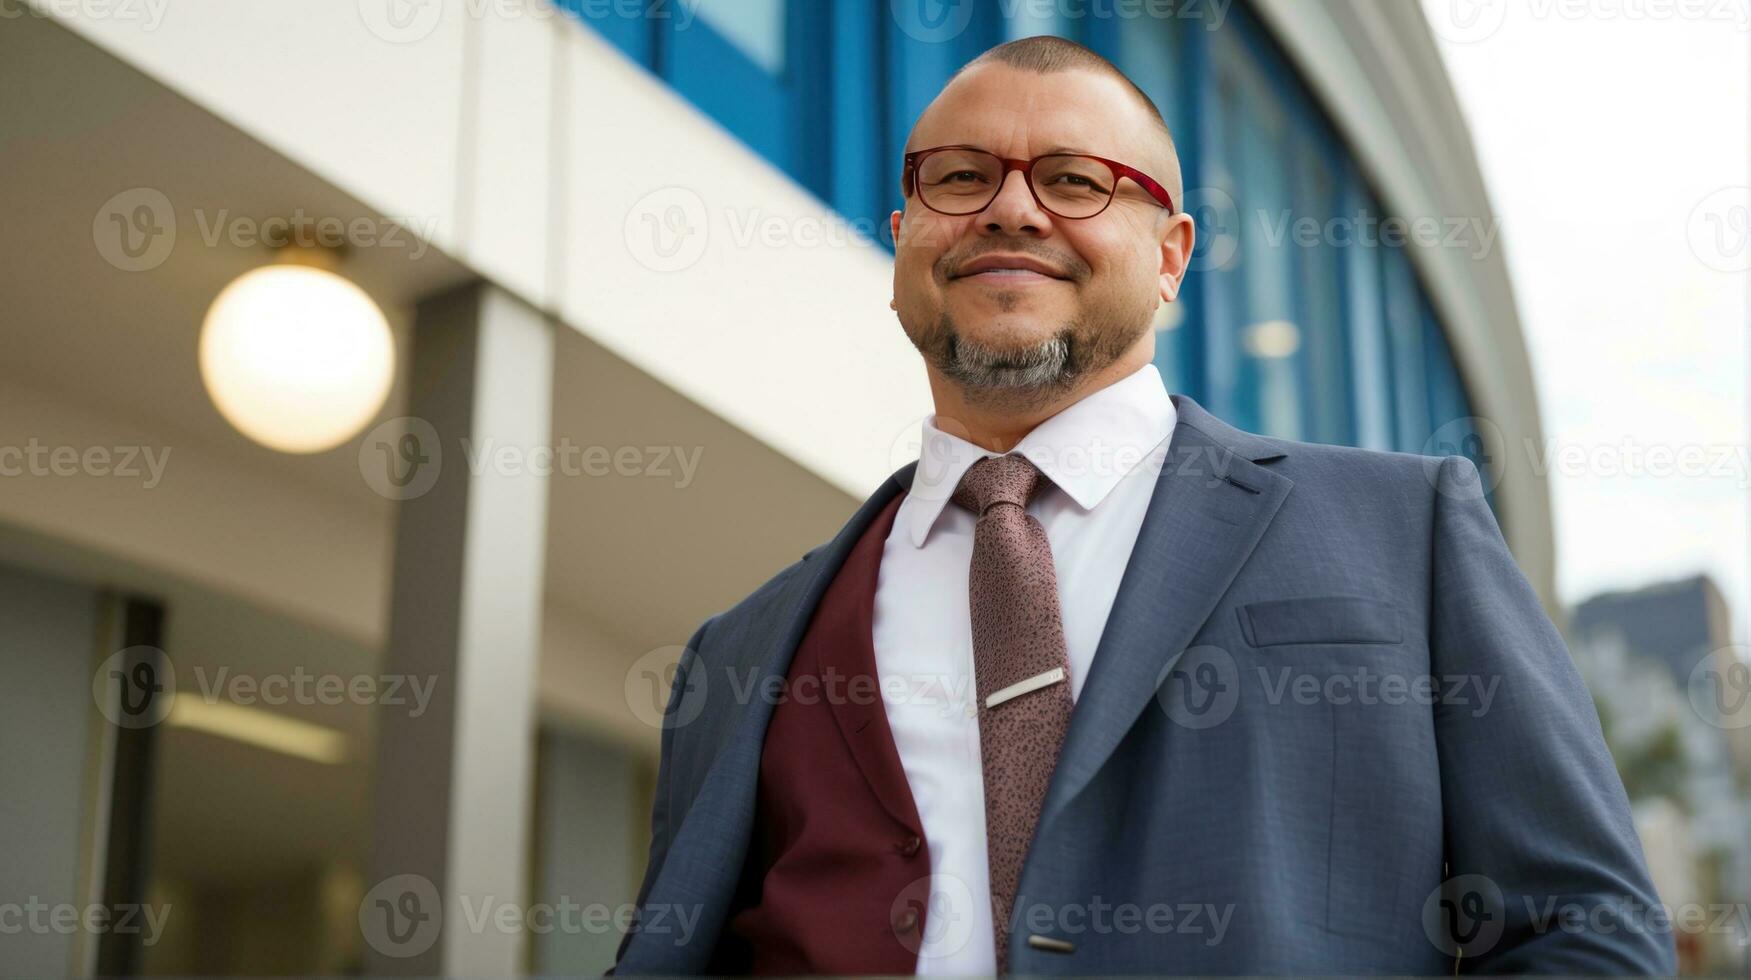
x=1007, y=277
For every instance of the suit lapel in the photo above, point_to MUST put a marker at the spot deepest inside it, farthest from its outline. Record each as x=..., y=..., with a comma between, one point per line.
x=848, y=646
x=1211, y=505
x=704, y=864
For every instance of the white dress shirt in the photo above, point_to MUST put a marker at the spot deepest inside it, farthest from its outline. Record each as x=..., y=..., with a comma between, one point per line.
x=1100, y=457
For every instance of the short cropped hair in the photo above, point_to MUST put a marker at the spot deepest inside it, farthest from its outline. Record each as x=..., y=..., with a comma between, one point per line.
x=1045, y=55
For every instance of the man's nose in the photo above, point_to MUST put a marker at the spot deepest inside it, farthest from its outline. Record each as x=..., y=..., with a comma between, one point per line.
x=1014, y=209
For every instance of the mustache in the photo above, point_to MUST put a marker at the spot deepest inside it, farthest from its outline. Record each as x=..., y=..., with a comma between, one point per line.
x=1069, y=264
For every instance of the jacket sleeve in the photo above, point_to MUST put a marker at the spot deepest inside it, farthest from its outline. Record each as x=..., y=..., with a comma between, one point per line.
x=1545, y=871
x=662, y=817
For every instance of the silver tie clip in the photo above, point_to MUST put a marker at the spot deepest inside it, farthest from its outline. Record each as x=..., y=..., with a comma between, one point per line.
x=1019, y=688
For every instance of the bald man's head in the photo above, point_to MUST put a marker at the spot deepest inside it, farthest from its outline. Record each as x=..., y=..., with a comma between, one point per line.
x=1016, y=306
x=1047, y=55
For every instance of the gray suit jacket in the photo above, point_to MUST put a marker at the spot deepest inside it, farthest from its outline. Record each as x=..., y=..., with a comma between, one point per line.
x=1328, y=729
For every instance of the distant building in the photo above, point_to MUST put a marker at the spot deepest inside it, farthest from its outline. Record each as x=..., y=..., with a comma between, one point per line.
x=1661, y=666
x=636, y=245
x=1677, y=623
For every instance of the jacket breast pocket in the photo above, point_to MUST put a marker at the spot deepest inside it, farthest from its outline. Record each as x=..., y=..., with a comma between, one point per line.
x=1320, y=619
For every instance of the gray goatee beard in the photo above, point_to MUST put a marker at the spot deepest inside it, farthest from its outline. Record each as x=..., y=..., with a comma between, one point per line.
x=1019, y=379
x=1045, y=365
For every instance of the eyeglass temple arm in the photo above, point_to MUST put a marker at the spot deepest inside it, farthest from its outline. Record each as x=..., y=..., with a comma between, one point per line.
x=1145, y=181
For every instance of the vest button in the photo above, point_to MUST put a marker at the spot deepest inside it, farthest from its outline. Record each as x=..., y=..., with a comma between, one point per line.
x=910, y=845
x=905, y=921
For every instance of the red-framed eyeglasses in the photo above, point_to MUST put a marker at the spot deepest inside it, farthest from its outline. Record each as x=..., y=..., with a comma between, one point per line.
x=961, y=180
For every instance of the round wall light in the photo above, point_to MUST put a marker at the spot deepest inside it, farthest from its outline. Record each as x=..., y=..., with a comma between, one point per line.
x=296, y=357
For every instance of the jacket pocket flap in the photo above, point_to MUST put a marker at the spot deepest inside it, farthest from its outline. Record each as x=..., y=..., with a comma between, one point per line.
x=1320, y=619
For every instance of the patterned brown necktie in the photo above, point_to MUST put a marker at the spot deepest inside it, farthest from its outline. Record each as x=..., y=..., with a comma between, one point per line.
x=1020, y=665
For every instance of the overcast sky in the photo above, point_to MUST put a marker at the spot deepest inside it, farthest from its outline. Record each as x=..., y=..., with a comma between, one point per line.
x=1613, y=138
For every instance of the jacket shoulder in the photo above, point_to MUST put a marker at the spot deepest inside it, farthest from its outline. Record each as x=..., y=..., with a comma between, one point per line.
x=765, y=602
x=1314, y=458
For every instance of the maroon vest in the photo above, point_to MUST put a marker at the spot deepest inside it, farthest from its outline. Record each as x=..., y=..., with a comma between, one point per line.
x=838, y=873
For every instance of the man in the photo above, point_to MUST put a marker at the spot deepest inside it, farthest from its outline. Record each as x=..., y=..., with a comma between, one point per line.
x=1102, y=684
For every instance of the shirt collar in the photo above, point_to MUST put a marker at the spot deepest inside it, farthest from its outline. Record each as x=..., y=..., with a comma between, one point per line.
x=1085, y=449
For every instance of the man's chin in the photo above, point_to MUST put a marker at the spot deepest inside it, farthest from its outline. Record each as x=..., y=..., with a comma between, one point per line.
x=1008, y=335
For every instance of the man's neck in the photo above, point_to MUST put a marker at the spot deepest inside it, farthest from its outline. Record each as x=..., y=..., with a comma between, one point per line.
x=998, y=424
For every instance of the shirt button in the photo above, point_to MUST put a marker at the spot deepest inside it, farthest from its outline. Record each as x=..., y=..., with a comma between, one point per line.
x=910, y=845
x=906, y=920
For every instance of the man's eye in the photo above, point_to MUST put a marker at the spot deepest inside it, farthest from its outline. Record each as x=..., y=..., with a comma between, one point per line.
x=1079, y=180
x=963, y=173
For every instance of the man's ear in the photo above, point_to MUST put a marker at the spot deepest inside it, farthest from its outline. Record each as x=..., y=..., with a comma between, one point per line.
x=894, y=228
x=1176, y=253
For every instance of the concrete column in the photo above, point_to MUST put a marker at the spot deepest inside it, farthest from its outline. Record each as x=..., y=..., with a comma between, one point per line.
x=454, y=785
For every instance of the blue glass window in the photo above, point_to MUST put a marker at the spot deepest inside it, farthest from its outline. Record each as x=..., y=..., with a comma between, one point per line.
x=1321, y=334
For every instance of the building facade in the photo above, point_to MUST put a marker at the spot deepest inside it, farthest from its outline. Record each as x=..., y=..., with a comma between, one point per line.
x=632, y=258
